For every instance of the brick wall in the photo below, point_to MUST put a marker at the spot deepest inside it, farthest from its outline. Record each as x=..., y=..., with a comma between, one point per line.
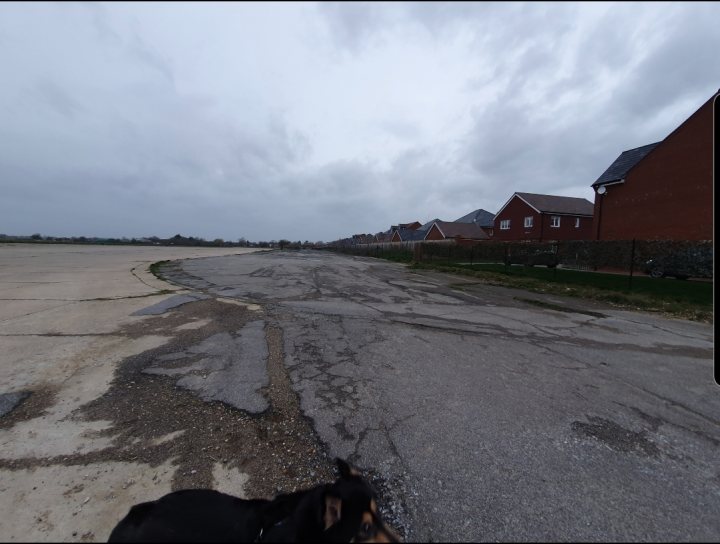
x=668, y=194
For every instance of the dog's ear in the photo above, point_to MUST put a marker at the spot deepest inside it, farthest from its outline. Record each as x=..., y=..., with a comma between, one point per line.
x=333, y=511
x=346, y=471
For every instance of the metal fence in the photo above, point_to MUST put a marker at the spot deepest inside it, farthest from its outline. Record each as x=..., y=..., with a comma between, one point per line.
x=658, y=258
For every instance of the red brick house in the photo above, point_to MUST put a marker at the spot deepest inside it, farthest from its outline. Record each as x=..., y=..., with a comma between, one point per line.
x=661, y=191
x=446, y=230
x=541, y=218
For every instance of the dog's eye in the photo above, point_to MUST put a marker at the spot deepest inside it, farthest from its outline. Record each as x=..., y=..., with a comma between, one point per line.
x=367, y=529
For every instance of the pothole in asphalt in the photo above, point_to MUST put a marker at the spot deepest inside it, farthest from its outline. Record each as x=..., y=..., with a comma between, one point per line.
x=616, y=437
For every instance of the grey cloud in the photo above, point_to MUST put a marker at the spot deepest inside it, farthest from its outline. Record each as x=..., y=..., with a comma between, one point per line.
x=401, y=129
x=513, y=148
x=353, y=24
x=103, y=28
x=57, y=98
x=114, y=129
x=549, y=133
x=685, y=64
x=150, y=57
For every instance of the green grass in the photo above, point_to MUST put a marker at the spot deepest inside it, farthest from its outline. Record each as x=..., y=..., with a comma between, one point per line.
x=398, y=256
x=694, y=292
x=155, y=269
x=676, y=298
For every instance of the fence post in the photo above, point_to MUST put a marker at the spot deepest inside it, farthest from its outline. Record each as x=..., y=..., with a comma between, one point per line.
x=507, y=257
x=557, y=248
x=632, y=265
x=448, y=258
x=472, y=255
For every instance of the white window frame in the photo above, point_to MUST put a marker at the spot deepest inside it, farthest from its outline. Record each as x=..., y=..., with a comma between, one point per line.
x=529, y=222
x=577, y=222
x=554, y=221
x=505, y=224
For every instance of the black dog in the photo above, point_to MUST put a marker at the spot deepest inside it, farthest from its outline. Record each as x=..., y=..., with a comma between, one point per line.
x=344, y=511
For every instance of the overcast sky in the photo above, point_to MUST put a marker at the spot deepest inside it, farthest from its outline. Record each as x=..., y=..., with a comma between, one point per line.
x=316, y=121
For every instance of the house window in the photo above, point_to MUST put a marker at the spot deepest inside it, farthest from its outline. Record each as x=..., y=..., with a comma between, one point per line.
x=554, y=220
x=528, y=222
x=577, y=222
x=505, y=224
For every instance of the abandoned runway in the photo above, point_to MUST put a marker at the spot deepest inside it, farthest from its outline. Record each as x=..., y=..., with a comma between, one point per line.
x=477, y=415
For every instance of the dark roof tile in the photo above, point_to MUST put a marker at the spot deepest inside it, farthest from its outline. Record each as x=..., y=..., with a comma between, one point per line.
x=558, y=204
x=427, y=225
x=464, y=230
x=480, y=217
x=622, y=165
x=411, y=235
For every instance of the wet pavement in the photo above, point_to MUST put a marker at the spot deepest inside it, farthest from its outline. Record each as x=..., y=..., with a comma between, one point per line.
x=481, y=415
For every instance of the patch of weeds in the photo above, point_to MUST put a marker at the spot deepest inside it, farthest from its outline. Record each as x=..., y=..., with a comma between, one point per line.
x=611, y=290
x=154, y=269
x=557, y=307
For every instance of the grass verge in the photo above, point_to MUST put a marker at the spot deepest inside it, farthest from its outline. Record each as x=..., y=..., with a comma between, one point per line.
x=674, y=298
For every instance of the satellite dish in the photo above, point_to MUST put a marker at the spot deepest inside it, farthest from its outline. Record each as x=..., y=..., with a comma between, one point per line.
x=602, y=190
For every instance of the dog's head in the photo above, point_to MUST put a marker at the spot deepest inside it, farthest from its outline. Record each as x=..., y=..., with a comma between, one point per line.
x=350, y=512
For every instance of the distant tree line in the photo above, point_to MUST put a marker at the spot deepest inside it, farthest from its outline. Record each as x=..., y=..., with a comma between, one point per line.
x=177, y=240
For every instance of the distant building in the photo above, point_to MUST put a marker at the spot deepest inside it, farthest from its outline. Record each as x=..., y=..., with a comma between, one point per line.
x=426, y=226
x=482, y=218
x=410, y=226
x=447, y=230
x=662, y=190
x=363, y=239
x=408, y=235
x=535, y=217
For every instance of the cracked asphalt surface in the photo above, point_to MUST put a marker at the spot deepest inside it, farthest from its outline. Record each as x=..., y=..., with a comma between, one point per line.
x=487, y=417
x=478, y=414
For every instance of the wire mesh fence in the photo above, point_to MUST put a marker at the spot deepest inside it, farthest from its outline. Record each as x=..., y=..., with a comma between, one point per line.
x=657, y=258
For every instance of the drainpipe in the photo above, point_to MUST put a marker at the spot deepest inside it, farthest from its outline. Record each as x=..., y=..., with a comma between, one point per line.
x=601, y=191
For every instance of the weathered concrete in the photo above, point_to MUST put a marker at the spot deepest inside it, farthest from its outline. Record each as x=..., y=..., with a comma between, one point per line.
x=62, y=314
x=73, y=504
x=172, y=302
x=9, y=401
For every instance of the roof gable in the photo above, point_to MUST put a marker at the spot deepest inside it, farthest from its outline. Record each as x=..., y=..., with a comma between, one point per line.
x=627, y=160
x=566, y=205
x=624, y=163
x=465, y=230
x=558, y=204
x=427, y=226
x=480, y=217
x=411, y=235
